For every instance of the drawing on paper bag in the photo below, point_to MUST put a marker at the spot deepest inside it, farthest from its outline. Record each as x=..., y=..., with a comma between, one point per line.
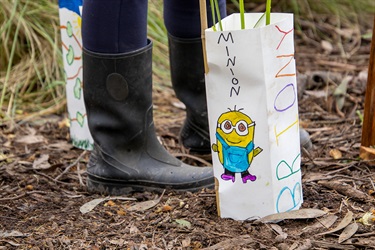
x=235, y=145
x=70, y=25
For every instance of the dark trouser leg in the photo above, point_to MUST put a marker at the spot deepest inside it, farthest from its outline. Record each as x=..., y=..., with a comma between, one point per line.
x=182, y=20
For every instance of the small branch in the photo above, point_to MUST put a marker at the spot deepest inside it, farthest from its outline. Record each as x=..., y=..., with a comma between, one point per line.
x=346, y=190
x=13, y=198
x=372, y=183
x=22, y=195
x=51, y=179
x=70, y=166
x=79, y=175
x=365, y=234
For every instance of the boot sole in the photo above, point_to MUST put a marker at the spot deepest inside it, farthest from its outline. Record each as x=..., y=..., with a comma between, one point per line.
x=116, y=188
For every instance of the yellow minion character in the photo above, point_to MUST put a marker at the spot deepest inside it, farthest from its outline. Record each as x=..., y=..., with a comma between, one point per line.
x=235, y=145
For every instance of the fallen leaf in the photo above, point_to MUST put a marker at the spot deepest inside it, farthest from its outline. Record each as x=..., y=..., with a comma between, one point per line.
x=186, y=242
x=3, y=157
x=279, y=231
x=316, y=93
x=89, y=206
x=41, y=162
x=179, y=105
x=181, y=204
x=308, y=213
x=118, y=242
x=13, y=233
x=346, y=33
x=145, y=205
x=30, y=139
x=326, y=222
x=12, y=243
x=327, y=46
x=343, y=224
x=183, y=223
x=363, y=75
x=348, y=232
x=134, y=230
x=61, y=145
x=341, y=91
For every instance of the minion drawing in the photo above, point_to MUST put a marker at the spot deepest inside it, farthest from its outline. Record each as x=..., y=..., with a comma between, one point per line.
x=235, y=145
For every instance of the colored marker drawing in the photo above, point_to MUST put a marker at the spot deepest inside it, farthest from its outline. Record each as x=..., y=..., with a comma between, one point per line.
x=289, y=199
x=70, y=26
x=285, y=34
x=283, y=131
x=235, y=145
x=284, y=170
x=77, y=88
x=286, y=102
x=80, y=118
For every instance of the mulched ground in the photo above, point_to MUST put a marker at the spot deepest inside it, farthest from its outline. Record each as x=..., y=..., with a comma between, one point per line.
x=42, y=178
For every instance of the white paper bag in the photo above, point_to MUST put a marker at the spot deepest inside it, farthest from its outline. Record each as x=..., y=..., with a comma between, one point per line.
x=253, y=116
x=70, y=25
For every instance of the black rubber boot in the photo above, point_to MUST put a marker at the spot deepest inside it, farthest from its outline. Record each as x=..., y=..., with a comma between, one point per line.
x=187, y=75
x=127, y=155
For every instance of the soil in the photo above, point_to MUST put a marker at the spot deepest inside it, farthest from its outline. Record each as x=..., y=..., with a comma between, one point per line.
x=42, y=177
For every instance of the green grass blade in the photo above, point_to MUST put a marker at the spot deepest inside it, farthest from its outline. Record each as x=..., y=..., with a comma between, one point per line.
x=213, y=3
x=242, y=14
x=12, y=52
x=268, y=12
x=259, y=22
x=218, y=15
